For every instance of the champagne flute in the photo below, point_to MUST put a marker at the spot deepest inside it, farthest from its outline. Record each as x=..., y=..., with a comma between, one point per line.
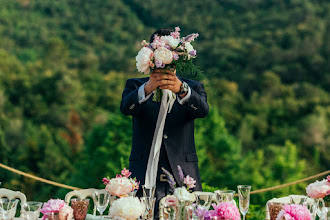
x=244, y=199
x=102, y=198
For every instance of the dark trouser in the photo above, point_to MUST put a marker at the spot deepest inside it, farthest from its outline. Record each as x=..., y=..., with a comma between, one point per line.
x=162, y=187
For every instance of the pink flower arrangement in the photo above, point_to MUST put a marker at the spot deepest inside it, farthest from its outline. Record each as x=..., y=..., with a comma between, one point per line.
x=319, y=189
x=294, y=212
x=165, y=50
x=122, y=185
x=224, y=210
x=56, y=205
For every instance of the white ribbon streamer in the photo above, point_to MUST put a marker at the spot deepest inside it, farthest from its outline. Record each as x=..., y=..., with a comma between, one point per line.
x=166, y=105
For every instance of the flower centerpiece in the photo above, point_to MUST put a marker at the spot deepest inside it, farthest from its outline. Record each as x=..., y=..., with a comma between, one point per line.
x=170, y=52
x=126, y=208
x=294, y=212
x=56, y=209
x=187, y=183
x=181, y=193
x=319, y=189
x=122, y=185
x=224, y=210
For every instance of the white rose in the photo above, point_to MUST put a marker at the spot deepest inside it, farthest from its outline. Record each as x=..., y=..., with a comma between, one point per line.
x=188, y=47
x=182, y=194
x=169, y=40
x=164, y=55
x=143, y=60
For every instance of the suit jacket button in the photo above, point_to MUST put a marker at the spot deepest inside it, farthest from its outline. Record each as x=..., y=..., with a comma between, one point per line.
x=165, y=136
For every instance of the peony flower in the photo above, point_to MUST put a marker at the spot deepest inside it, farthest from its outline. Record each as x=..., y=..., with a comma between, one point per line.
x=51, y=206
x=224, y=210
x=126, y=208
x=164, y=55
x=126, y=173
x=171, y=41
x=143, y=60
x=182, y=194
x=171, y=201
x=66, y=211
x=190, y=182
x=318, y=189
x=120, y=186
x=294, y=212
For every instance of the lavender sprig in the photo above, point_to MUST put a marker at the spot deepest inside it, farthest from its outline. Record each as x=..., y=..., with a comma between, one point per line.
x=170, y=178
x=180, y=173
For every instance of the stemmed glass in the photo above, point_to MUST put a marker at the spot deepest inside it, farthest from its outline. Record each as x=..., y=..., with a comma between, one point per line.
x=203, y=199
x=102, y=198
x=244, y=199
x=31, y=210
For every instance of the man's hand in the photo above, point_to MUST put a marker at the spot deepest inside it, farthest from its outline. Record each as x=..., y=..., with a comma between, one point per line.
x=164, y=79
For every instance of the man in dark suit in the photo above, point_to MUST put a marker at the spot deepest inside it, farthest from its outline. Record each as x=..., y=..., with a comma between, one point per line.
x=178, y=145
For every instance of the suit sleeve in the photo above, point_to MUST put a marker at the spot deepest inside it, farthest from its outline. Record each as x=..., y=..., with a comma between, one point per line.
x=197, y=106
x=130, y=102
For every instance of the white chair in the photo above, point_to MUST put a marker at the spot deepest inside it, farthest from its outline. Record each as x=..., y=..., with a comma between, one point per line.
x=287, y=200
x=10, y=194
x=81, y=194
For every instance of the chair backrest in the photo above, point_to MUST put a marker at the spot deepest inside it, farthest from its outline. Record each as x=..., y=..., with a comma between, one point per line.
x=10, y=194
x=81, y=194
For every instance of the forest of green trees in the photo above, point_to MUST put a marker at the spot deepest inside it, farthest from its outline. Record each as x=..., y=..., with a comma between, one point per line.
x=64, y=64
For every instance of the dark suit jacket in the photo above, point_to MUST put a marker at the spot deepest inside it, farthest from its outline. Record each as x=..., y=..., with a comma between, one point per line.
x=178, y=137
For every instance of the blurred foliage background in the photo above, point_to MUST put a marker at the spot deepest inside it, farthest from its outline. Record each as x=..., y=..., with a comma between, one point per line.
x=64, y=64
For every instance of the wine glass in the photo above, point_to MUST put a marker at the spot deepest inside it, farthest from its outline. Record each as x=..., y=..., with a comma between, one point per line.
x=244, y=199
x=31, y=210
x=102, y=198
x=203, y=199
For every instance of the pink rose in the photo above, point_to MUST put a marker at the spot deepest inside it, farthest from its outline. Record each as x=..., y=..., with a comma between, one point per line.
x=171, y=201
x=189, y=181
x=328, y=178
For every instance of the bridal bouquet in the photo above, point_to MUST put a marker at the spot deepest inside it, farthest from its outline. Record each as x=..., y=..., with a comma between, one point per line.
x=170, y=51
x=182, y=193
x=54, y=207
x=122, y=185
x=294, y=212
x=319, y=189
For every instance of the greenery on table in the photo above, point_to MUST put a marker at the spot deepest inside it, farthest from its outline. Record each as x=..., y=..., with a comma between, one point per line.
x=64, y=63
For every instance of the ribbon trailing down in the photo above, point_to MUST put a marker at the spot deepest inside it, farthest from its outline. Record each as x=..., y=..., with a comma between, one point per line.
x=166, y=105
